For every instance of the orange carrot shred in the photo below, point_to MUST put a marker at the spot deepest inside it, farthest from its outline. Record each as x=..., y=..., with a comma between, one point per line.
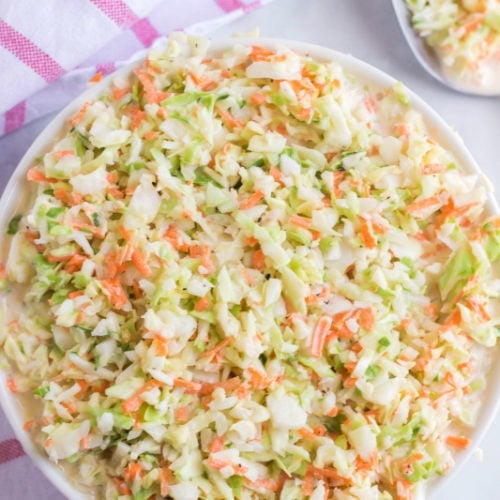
x=218, y=348
x=319, y=334
x=201, y=305
x=96, y=78
x=459, y=442
x=252, y=200
x=132, y=404
x=117, y=295
x=11, y=384
x=300, y=221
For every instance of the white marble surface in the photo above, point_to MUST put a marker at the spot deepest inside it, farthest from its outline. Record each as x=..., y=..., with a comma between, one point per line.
x=367, y=29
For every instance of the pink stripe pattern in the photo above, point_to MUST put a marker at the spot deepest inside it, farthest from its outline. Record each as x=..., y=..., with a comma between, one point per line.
x=10, y=449
x=145, y=32
x=251, y=6
x=14, y=118
x=118, y=11
x=29, y=53
x=105, y=68
x=230, y=5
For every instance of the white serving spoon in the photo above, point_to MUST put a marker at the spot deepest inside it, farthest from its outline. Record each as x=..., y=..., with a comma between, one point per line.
x=428, y=58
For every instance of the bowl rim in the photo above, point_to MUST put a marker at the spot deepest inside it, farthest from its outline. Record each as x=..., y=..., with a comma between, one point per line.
x=364, y=72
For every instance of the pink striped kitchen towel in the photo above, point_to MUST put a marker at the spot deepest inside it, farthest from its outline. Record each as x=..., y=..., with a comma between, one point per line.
x=49, y=49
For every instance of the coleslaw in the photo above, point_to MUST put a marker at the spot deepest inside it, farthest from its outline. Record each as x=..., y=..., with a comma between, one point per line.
x=465, y=35
x=248, y=275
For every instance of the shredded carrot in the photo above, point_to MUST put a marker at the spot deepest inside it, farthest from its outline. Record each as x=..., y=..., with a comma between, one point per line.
x=161, y=345
x=453, y=319
x=327, y=473
x=350, y=366
x=181, y=413
x=202, y=304
x=475, y=305
x=202, y=251
x=247, y=276
x=297, y=220
x=58, y=155
x=319, y=430
x=140, y=262
x=270, y=484
x=459, y=442
x=75, y=263
x=433, y=168
x=251, y=241
x=137, y=116
x=173, y=236
x=252, y=200
x=305, y=114
x=306, y=433
x=350, y=382
x=366, y=318
x=68, y=197
x=432, y=201
x=319, y=335
x=228, y=385
x=165, y=481
x=29, y=425
x=59, y=258
x=229, y=119
x=96, y=78
x=258, y=380
x=471, y=26
x=308, y=486
x=151, y=135
x=133, y=470
x=218, y=464
x=367, y=233
x=118, y=93
x=218, y=348
x=189, y=386
x=117, y=295
x=152, y=95
x=367, y=465
x=275, y=173
x=259, y=53
x=338, y=178
x=258, y=98
x=11, y=384
x=81, y=113
x=83, y=387
x=35, y=175
x=258, y=259
x=281, y=128
x=126, y=233
x=217, y=444
x=402, y=129
x=333, y=412
x=202, y=82
x=134, y=402
x=85, y=443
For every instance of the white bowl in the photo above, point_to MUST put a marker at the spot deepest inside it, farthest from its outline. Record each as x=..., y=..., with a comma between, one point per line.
x=16, y=194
